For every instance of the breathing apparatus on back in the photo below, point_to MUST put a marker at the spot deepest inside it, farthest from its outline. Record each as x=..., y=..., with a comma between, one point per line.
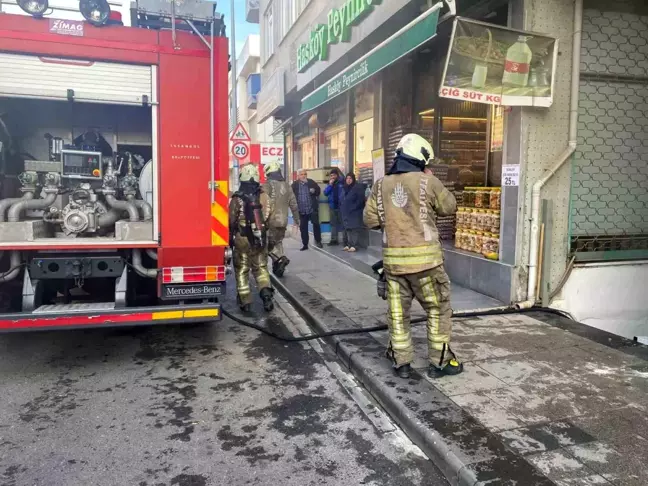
x=250, y=194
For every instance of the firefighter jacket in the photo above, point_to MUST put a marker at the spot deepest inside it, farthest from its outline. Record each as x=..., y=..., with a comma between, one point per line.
x=405, y=206
x=283, y=199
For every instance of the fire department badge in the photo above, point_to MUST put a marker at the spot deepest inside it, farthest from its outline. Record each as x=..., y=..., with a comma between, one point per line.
x=399, y=196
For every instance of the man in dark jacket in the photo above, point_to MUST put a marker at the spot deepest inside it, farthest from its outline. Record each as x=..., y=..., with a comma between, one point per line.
x=307, y=193
x=335, y=192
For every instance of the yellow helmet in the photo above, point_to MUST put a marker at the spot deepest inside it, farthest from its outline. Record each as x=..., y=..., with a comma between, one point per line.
x=417, y=148
x=249, y=173
x=273, y=166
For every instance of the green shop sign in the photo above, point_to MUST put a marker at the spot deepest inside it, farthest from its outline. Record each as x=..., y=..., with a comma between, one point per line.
x=410, y=37
x=338, y=29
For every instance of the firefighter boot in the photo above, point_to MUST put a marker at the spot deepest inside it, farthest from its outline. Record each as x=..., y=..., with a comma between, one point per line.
x=451, y=368
x=404, y=371
x=266, y=297
x=279, y=267
x=247, y=308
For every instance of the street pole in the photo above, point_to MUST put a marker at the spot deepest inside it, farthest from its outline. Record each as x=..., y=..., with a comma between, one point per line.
x=233, y=62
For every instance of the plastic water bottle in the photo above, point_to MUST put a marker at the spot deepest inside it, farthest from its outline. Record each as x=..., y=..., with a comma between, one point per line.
x=479, y=76
x=518, y=64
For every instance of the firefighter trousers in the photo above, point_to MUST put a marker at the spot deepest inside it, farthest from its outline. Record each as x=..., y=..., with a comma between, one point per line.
x=248, y=258
x=275, y=243
x=432, y=290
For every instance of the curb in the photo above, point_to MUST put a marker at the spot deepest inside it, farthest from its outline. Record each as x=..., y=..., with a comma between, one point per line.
x=429, y=441
x=465, y=451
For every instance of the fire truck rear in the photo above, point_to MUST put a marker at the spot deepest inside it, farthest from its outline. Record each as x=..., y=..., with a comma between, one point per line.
x=113, y=167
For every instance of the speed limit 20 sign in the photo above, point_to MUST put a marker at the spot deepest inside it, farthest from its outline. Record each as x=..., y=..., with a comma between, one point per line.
x=240, y=150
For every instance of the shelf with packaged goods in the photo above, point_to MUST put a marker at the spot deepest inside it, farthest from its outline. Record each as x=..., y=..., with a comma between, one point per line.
x=461, y=132
x=478, y=221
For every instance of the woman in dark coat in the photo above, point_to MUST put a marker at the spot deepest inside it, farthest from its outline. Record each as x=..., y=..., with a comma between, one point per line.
x=352, y=207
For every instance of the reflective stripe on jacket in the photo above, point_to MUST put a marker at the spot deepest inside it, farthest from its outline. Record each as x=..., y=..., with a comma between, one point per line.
x=405, y=206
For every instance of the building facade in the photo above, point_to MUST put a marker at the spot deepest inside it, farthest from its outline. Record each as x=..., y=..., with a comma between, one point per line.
x=248, y=86
x=348, y=78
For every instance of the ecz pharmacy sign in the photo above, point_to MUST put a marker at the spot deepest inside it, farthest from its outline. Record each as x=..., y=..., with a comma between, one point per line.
x=338, y=29
x=272, y=152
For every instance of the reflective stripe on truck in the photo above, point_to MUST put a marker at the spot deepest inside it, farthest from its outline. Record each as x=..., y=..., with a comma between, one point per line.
x=220, y=215
x=121, y=317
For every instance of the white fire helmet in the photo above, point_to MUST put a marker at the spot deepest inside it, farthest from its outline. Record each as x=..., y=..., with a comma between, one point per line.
x=249, y=173
x=273, y=166
x=416, y=147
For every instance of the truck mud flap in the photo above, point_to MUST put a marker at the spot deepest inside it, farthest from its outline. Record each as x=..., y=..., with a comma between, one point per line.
x=141, y=316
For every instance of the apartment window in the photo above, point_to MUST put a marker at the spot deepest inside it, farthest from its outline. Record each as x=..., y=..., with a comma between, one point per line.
x=269, y=32
x=291, y=10
x=288, y=18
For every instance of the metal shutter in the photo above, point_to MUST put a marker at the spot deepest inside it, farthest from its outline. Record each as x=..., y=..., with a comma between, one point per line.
x=51, y=78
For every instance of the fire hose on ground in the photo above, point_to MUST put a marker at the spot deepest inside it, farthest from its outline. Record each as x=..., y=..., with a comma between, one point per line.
x=504, y=310
x=384, y=327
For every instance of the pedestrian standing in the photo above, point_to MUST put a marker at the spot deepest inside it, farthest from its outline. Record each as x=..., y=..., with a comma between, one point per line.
x=352, y=206
x=307, y=193
x=334, y=192
x=283, y=200
x=403, y=204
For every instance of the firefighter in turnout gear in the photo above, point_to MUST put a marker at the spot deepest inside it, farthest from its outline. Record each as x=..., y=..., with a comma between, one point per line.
x=249, y=212
x=405, y=205
x=282, y=199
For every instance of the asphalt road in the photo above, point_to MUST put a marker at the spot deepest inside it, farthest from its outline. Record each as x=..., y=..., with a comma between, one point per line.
x=215, y=404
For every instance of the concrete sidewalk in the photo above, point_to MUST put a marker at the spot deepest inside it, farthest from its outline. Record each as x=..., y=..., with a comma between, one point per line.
x=462, y=298
x=543, y=400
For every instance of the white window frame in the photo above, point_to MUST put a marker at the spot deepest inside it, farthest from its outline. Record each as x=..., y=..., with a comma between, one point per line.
x=269, y=31
x=290, y=10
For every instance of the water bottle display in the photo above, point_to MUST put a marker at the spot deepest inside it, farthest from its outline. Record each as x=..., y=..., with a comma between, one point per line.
x=479, y=76
x=495, y=65
x=517, y=64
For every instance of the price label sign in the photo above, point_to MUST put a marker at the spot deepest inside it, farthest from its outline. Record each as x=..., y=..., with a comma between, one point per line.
x=510, y=175
x=240, y=150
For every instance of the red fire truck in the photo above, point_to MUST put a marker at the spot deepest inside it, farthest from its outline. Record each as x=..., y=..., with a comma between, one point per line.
x=113, y=168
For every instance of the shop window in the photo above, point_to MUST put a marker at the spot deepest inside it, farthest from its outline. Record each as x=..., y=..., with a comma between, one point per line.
x=470, y=164
x=496, y=146
x=463, y=137
x=363, y=138
x=335, y=147
x=289, y=157
x=305, y=155
x=364, y=143
x=427, y=118
x=364, y=100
